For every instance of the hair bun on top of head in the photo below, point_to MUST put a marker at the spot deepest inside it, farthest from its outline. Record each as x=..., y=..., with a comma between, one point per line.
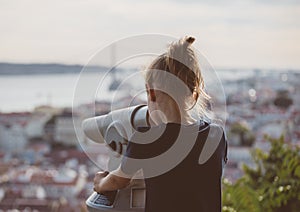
x=181, y=50
x=180, y=56
x=186, y=41
x=189, y=39
x=181, y=61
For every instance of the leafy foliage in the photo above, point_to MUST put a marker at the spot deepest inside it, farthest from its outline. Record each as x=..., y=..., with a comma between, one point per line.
x=274, y=185
x=283, y=100
x=241, y=129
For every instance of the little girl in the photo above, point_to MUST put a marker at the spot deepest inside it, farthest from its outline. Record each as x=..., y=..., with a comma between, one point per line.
x=174, y=86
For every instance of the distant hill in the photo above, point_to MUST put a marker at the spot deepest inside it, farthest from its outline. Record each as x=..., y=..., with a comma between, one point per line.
x=50, y=68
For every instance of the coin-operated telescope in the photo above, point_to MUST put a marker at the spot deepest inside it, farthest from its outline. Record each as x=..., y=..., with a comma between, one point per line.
x=114, y=129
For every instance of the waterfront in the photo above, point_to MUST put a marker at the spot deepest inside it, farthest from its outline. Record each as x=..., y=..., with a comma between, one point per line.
x=24, y=92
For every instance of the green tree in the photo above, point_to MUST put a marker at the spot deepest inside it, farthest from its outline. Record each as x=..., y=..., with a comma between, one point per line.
x=283, y=99
x=274, y=185
x=246, y=136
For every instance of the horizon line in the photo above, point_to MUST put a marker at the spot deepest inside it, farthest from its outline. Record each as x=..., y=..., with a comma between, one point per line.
x=136, y=66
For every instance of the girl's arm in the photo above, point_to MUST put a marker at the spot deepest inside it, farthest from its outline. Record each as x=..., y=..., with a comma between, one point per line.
x=114, y=180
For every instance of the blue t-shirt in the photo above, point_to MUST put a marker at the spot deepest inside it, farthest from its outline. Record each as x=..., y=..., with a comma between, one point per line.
x=191, y=182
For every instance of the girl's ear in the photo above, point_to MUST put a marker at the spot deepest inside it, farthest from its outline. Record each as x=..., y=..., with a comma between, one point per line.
x=152, y=95
x=195, y=96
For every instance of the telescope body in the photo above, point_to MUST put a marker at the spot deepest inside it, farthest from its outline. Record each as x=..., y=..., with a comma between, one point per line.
x=115, y=129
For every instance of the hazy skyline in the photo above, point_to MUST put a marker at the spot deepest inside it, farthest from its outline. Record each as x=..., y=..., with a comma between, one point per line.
x=246, y=34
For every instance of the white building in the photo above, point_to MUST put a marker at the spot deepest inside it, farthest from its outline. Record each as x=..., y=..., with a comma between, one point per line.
x=34, y=182
x=35, y=126
x=65, y=129
x=12, y=138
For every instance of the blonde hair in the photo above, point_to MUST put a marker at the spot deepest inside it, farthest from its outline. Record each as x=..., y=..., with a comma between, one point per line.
x=181, y=61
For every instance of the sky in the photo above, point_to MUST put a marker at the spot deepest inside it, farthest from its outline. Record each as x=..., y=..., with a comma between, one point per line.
x=232, y=34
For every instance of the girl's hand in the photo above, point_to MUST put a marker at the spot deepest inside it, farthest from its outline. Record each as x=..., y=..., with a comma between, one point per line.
x=97, y=180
